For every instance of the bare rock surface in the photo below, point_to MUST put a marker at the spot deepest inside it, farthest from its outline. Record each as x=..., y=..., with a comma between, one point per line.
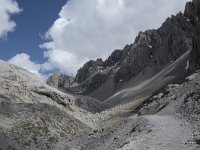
x=60, y=81
x=36, y=116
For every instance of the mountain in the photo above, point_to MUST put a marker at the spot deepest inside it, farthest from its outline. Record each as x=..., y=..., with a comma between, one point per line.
x=145, y=96
x=37, y=116
x=155, y=59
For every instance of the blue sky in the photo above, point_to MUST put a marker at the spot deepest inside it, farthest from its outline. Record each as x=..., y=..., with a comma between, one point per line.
x=55, y=35
x=37, y=16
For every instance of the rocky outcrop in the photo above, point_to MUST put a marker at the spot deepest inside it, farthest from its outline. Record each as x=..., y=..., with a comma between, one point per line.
x=157, y=48
x=60, y=81
x=88, y=70
x=192, y=12
x=114, y=58
x=88, y=78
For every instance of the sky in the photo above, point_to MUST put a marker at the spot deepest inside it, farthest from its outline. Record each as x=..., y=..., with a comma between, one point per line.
x=59, y=35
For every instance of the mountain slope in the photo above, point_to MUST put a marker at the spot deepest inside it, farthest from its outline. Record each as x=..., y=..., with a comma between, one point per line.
x=141, y=109
x=36, y=116
x=149, y=58
x=169, y=121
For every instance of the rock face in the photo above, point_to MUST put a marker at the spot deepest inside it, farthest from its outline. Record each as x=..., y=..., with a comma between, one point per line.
x=157, y=48
x=114, y=58
x=60, y=81
x=88, y=70
x=151, y=52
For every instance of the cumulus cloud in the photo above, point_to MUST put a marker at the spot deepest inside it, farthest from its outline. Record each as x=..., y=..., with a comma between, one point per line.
x=7, y=8
x=65, y=61
x=23, y=60
x=87, y=29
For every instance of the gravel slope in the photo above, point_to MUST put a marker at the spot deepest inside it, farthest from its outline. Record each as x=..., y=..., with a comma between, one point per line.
x=167, y=132
x=168, y=121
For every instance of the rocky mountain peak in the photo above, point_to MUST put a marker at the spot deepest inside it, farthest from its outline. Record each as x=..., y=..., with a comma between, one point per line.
x=143, y=37
x=89, y=68
x=114, y=58
x=192, y=11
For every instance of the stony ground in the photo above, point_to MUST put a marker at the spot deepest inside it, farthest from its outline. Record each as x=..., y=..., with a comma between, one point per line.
x=168, y=121
x=36, y=116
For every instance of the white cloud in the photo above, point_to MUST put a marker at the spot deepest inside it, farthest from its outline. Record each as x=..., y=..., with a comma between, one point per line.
x=87, y=29
x=7, y=8
x=62, y=59
x=23, y=60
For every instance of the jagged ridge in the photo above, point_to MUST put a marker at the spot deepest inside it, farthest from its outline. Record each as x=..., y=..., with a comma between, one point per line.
x=151, y=52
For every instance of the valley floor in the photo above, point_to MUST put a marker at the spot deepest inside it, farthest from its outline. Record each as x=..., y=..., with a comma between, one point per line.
x=35, y=116
x=166, y=132
x=167, y=121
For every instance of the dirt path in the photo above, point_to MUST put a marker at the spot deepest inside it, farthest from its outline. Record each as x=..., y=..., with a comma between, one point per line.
x=167, y=133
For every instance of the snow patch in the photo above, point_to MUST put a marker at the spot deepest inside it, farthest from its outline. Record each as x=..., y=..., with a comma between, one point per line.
x=79, y=92
x=191, y=77
x=187, y=65
x=99, y=67
x=149, y=45
x=188, y=20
